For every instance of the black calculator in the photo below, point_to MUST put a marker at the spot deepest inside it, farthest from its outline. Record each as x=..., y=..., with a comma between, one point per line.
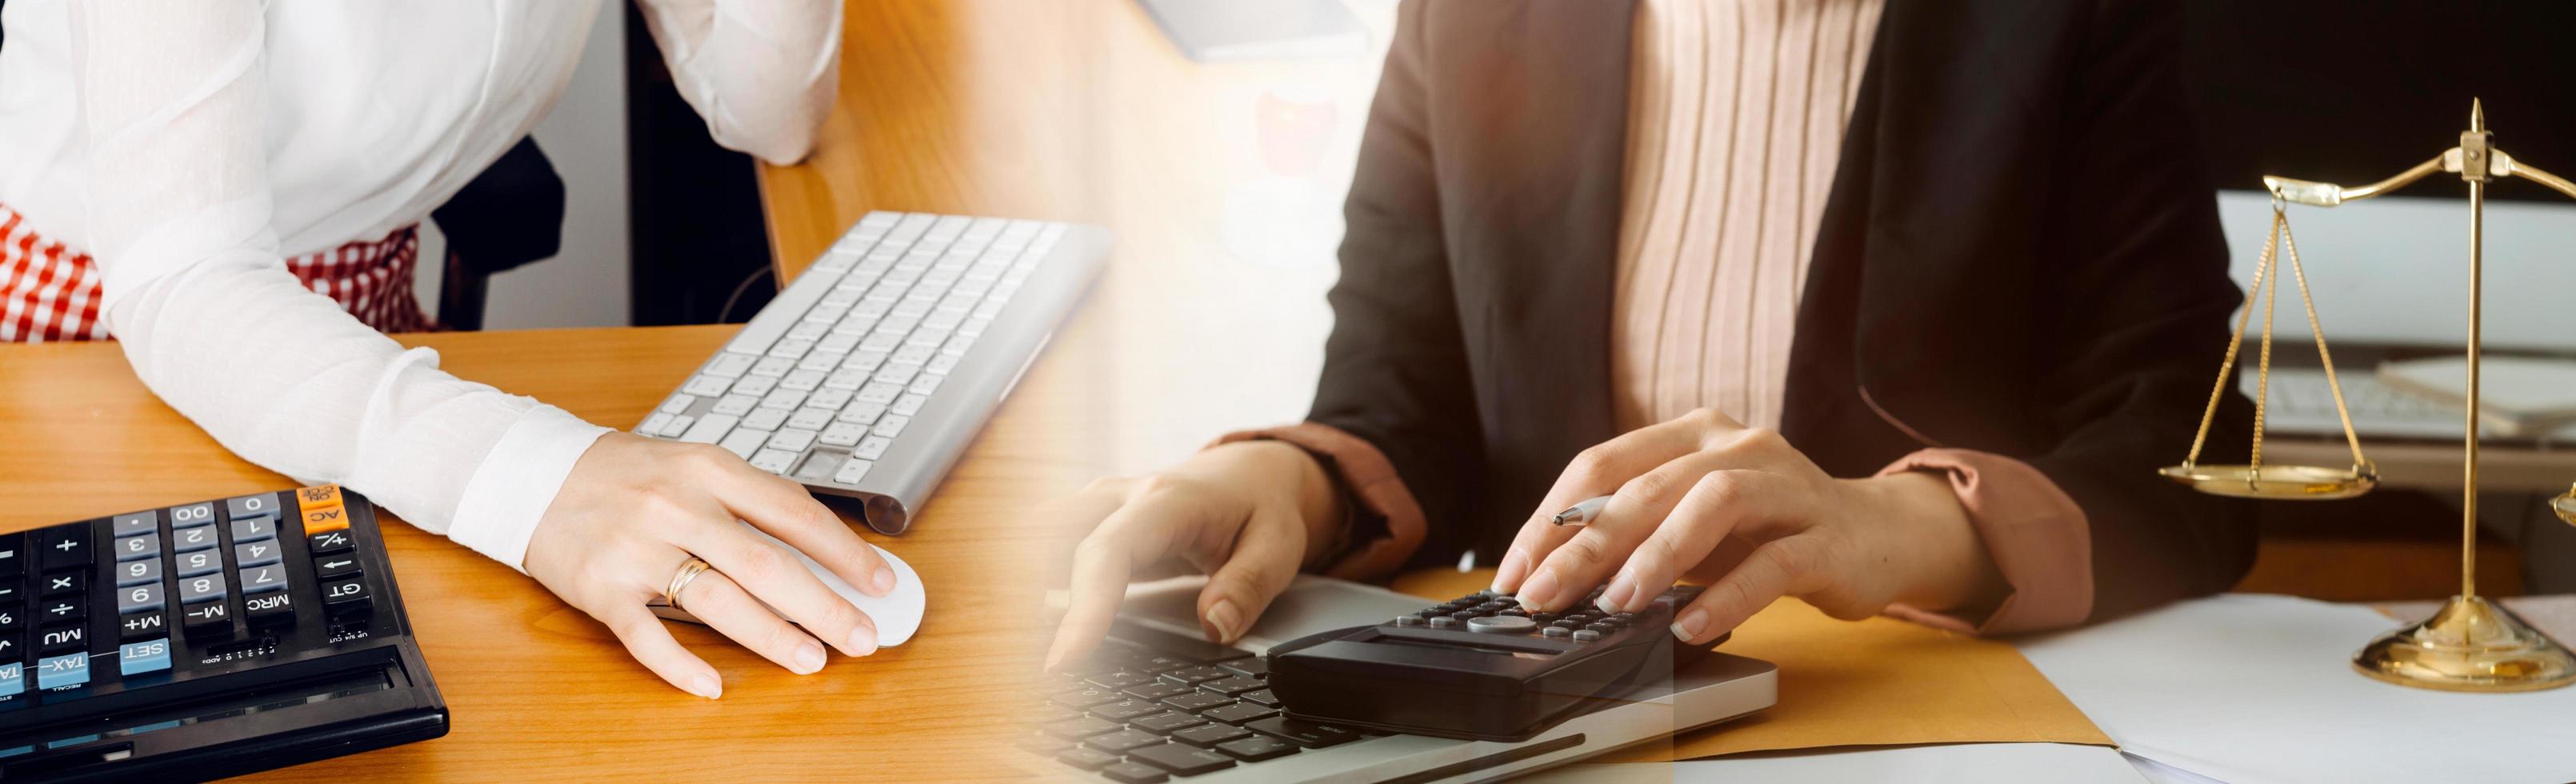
x=206, y=640
x=1481, y=667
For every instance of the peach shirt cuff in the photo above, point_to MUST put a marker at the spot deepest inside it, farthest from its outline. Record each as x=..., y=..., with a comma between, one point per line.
x=2036, y=534
x=1373, y=484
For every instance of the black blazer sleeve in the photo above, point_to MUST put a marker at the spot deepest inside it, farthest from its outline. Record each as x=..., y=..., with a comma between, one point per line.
x=1395, y=366
x=2141, y=309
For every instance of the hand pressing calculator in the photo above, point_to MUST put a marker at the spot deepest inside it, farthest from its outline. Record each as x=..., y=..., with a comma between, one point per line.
x=206, y=640
x=1481, y=667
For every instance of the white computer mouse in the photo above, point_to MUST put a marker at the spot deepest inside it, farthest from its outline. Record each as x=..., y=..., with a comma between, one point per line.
x=897, y=614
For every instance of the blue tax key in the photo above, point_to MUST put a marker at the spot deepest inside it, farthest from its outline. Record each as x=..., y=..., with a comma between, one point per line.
x=13, y=679
x=70, y=669
x=137, y=658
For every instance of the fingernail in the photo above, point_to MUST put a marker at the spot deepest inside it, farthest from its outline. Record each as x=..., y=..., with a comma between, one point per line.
x=705, y=685
x=883, y=581
x=1690, y=624
x=1221, y=618
x=863, y=641
x=1615, y=600
x=809, y=658
x=1540, y=591
x=1514, y=567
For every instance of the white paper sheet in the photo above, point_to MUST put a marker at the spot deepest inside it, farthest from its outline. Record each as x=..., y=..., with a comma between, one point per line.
x=2255, y=689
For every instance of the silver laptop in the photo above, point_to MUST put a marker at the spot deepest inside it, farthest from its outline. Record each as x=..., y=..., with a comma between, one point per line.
x=1224, y=727
x=867, y=376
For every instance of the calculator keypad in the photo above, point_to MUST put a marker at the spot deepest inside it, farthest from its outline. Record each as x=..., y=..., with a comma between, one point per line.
x=78, y=597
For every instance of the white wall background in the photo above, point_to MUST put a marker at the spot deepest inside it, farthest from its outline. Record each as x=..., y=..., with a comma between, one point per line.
x=585, y=285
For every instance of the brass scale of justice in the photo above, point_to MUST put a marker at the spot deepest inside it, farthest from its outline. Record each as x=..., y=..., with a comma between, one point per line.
x=2470, y=644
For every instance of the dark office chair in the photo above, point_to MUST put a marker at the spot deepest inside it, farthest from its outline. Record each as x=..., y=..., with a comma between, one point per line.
x=510, y=215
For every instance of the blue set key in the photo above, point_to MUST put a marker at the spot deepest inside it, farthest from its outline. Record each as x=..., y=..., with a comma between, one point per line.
x=13, y=679
x=70, y=669
x=136, y=658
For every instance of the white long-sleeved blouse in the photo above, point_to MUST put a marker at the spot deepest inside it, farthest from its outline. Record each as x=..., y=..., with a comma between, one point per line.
x=189, y=147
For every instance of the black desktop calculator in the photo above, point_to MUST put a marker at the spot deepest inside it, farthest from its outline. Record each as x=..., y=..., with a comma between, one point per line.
x=1481, y=667
x=206, y=640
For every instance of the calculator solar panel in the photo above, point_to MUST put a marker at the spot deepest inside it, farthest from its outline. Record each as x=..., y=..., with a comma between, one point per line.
x=206, y=639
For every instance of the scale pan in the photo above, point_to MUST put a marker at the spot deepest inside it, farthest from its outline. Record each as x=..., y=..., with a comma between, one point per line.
x=2294, y=482
x=2565, y=506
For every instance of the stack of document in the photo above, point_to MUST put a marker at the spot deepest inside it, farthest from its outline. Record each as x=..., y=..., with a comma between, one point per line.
x=2517, y=396
x=2251, y=689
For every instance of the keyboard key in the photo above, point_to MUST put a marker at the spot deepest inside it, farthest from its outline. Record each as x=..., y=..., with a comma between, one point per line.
x=335, y=567
x=270, y=609
x=678, y=404
x=910, y=403
x=851, y=471
x=736, y=404
x=892, y=425
x=765, y=419
x=202, y=562
x=200, y=589
x=146, y=571
x=768, y=370
x=345, y=595
x=192, y=539
x=12, y=593
x=1195, y=675
x=69, y=609
x=1135, y=773
x=1123, y=710
x=744, y=441
x=861, y=413
x=60, y=583
x=64, y=546
x=330, y=542
x=317, y=496
x=263, y=579
x=262, y=505
x=879, y=392
x=137, y=658
x=135, y=548
x=706, y=386
x=1253, y=666
x=1167, y=722
x=1240, y=712
x=1155, y=690
x=756, y=386
x=1085, y=698
x=329, y=518
x=731, y=365
x=784, y=400
x=63, y=640
x=1206, y=735
x=1233, y=685
x=13, y=647
x=251, y=554
x=1257, y=748
x=1302, y=733
x=1119, y=742
x=142, y=625
x=791, y=440
x=775, y=461
x=810, y=418
x=1087, y=759
x=1182, y=759
x=192, y=515
x=654, y=424
x=710, y=428
x=790, y=348
x=1196, y=700
x=55, y=672
x=1077, y=729
x=132, y=523
x=872, y=447
x=841, y=434
x=844, y=380
x=210, y=618
x=13, y=679
x=139, y=599
x=1118, y=680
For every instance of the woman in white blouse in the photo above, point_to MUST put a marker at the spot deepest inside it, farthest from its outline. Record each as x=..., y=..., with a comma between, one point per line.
x=221, y=184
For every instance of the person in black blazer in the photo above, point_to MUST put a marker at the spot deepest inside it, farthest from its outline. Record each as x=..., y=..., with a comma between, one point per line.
x=2017, y=256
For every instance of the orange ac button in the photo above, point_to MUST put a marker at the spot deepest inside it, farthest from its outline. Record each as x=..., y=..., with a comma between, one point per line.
x=321, y=509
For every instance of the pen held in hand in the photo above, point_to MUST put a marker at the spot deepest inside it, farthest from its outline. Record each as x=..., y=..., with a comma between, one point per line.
x=1582, y=512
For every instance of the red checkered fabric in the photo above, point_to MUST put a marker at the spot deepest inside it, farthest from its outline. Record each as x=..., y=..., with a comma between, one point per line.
x=50, y=291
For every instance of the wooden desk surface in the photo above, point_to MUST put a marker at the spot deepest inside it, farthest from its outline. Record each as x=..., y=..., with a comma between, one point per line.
x=537, y=689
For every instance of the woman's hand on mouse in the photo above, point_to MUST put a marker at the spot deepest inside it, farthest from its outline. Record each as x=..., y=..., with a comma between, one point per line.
x=1742, y=511
x=634, y=510
x=1248, y=514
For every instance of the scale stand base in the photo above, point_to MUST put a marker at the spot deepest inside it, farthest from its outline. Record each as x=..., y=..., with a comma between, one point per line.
x=2470, y=645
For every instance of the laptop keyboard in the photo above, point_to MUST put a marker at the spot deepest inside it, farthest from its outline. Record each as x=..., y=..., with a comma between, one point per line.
x=1149, y=706
x=820, y=384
